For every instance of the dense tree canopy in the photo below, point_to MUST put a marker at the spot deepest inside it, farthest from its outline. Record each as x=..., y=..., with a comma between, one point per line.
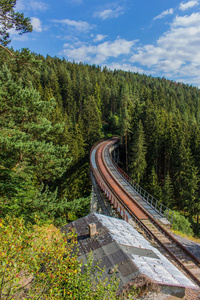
x=52, y=111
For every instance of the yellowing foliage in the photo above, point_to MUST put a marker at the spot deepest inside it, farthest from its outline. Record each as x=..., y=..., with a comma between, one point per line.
x=40, y=263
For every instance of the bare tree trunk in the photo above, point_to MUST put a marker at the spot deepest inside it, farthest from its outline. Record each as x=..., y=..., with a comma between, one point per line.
x=7, y=50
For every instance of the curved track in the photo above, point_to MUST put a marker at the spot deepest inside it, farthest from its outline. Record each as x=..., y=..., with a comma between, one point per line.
x=110, y=181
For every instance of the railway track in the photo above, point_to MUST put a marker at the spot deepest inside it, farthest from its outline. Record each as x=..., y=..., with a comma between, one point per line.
x=114, y=184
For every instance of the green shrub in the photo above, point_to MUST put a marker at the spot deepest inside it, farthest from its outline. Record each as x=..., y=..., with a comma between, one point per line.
x=180, y=223
x=40, y=263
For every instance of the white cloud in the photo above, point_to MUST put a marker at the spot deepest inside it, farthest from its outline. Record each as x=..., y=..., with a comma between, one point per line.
x=164, y=13
x=176, y=53
x=78, y=25
x=98, y=54
x=99, y=37
x=79, y=54
x=20, y=5
x=31, y=5
x=37, y=26
x=189, y=4
x=35, y=5
x=118, y=47
x=21, y=38
x=126, y=67
x=109, y=13
x=186, y=21
x=16, y=37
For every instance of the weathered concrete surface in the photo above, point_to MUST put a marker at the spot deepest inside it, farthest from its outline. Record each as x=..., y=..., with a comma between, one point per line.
x=190, y=245
x=119, y=248
x=178, y=292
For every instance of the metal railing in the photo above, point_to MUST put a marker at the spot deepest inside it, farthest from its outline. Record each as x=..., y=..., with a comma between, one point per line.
x=159, y=207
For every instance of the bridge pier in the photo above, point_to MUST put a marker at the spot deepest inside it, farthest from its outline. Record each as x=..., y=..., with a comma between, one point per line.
x=99, y=202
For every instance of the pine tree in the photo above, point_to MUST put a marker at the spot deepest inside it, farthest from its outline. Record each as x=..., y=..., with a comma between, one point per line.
x=30, y=153
x=11, y=19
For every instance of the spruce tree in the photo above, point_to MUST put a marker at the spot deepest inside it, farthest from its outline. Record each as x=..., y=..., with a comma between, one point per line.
x=154, y=186
x=91, y=121
x=187, y=179
x=138, y=163
x=167, y=191
x=125, y=118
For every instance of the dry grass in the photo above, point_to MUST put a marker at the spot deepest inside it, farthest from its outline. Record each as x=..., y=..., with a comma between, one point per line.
x=189, y=237
x=138, y=288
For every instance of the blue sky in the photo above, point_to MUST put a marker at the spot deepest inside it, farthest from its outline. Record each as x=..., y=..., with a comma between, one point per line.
x=158, y=37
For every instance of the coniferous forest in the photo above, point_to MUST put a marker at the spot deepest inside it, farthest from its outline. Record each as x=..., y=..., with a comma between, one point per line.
x=53, y=111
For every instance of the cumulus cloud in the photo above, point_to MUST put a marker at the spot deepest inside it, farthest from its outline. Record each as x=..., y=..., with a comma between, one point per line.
x=78, y=25
x=100, y=53
x=187, y=21
x=189, y=4
x=37, y=26
x=109, y=13
x=99, y=37
x=164, y=13
x=176, y=52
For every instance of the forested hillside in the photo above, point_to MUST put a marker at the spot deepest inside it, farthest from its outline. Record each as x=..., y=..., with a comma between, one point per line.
x=53, y=111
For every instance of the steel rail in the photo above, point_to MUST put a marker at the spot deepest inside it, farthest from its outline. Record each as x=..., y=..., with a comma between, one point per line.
x=160, y=226
x=102, y=148
x=143, y=226
x=138, y=189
